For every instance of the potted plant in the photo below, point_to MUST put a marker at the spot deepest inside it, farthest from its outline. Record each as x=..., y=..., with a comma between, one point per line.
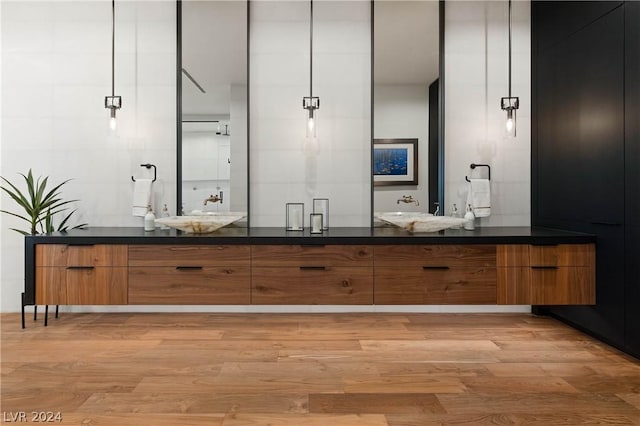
x=40, y=205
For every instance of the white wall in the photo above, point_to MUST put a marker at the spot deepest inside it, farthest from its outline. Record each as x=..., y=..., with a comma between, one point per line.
x=476, y=52
x=402, y=111
x=56, y=70
x=283, y=168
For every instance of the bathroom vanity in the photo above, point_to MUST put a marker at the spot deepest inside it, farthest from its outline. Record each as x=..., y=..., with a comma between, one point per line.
x=343, y=266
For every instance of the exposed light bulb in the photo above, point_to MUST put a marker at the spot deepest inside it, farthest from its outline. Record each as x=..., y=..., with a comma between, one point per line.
x=311, y=125
x=112, y=120
x=509, y=124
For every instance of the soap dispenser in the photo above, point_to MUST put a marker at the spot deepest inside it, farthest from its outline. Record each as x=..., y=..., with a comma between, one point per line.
x=149, y=220
x=470, y=219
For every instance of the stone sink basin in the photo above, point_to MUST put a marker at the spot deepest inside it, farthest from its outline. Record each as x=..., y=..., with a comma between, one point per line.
x=419, y=222
x=203, y=223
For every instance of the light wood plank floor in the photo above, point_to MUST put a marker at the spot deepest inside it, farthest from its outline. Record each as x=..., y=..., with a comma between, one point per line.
x=314, y=369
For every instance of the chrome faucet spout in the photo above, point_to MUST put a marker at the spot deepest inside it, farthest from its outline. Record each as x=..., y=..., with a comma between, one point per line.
x=213, y=199
x=408, y=199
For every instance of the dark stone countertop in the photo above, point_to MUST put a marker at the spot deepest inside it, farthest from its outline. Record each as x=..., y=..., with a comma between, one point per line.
x=353, y=235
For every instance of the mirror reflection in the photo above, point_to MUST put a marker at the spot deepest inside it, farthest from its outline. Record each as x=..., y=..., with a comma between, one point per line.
x=406, y=45
x=214, y=106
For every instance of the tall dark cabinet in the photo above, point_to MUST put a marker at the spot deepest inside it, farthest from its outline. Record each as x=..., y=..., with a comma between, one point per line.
x=632, y=171
x=585, y=150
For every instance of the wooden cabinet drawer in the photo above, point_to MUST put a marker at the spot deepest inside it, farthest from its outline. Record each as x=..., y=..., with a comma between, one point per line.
x=189, y=255
x=312, y=286
x=562, y=285
x=81, y=286
x=190, y=286
x=51, y=286
x=435, y=286
x=81, y=255
x=562, y=255
x=312, y=255
x=436, y=255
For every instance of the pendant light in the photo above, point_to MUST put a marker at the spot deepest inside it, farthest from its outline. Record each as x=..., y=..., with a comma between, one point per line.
x=311, y=103
x=510, y=104
x=113, y=102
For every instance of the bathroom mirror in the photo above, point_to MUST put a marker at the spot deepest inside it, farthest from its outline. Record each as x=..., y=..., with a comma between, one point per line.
x=407, y=93
x=212, y=106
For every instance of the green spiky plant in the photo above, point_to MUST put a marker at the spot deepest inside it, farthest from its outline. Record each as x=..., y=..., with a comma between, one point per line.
x=40, y=205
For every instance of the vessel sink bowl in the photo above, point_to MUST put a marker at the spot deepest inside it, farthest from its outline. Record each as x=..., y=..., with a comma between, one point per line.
x=202, y=223
x=415, y=222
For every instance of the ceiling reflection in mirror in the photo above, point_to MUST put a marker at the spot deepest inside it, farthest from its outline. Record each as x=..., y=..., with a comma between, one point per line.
x=214, y=106
x=406, y=45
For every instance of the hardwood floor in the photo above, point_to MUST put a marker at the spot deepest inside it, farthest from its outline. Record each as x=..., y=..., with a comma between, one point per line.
x=314, y=369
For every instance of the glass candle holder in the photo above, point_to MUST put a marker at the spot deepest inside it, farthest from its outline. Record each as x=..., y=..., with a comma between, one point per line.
x=295, y=217
x=321, y=205
x=316, y=223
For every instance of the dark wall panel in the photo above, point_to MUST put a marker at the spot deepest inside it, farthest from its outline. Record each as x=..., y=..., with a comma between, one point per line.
x=556, y=20
x=582, y=131
x=632, y=170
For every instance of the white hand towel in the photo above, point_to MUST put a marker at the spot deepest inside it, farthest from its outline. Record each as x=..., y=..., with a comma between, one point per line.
x=141, y=196
x=480, y=197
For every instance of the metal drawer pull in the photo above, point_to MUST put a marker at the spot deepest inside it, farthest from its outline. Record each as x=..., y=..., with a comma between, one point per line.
x=545, y=245
x=313, y=268
x=311, y=245
x=80, y=267
x=544, y=267
x=80, y=245
x=188, y=268
x=436, y=267
x=607, y=223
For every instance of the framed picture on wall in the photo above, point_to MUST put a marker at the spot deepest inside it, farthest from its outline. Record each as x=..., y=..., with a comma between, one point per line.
x=395, y=162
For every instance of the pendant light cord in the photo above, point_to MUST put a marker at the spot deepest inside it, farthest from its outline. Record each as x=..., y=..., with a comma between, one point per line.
x=113, y=47
x=509, y=48
x=310, y=51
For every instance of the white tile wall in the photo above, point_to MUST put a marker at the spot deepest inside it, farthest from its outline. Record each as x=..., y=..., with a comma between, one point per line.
x=56, y=70
x=283, y=168
x=476, y=52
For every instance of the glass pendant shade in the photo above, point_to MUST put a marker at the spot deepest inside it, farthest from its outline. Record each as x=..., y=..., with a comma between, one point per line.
x=510, y=105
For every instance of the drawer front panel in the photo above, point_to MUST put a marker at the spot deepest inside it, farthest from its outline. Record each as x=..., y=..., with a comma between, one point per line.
x=563, y=255
x=312, y=255
x=185, y=255
x=512, y=255
x=563, y=286
x=189, y=286
x=418, y=286
x=436, y=255
x=96, y=286
x=312, y=286
x=514, y=286
x=81, y=255
x=51, y=286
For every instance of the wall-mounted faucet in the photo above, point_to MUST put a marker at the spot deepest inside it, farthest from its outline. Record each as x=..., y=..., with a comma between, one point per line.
x=407, y=199
x=214, y=199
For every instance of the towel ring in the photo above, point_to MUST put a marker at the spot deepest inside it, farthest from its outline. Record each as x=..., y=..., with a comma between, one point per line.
x=148, y=166
x=474, y=165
